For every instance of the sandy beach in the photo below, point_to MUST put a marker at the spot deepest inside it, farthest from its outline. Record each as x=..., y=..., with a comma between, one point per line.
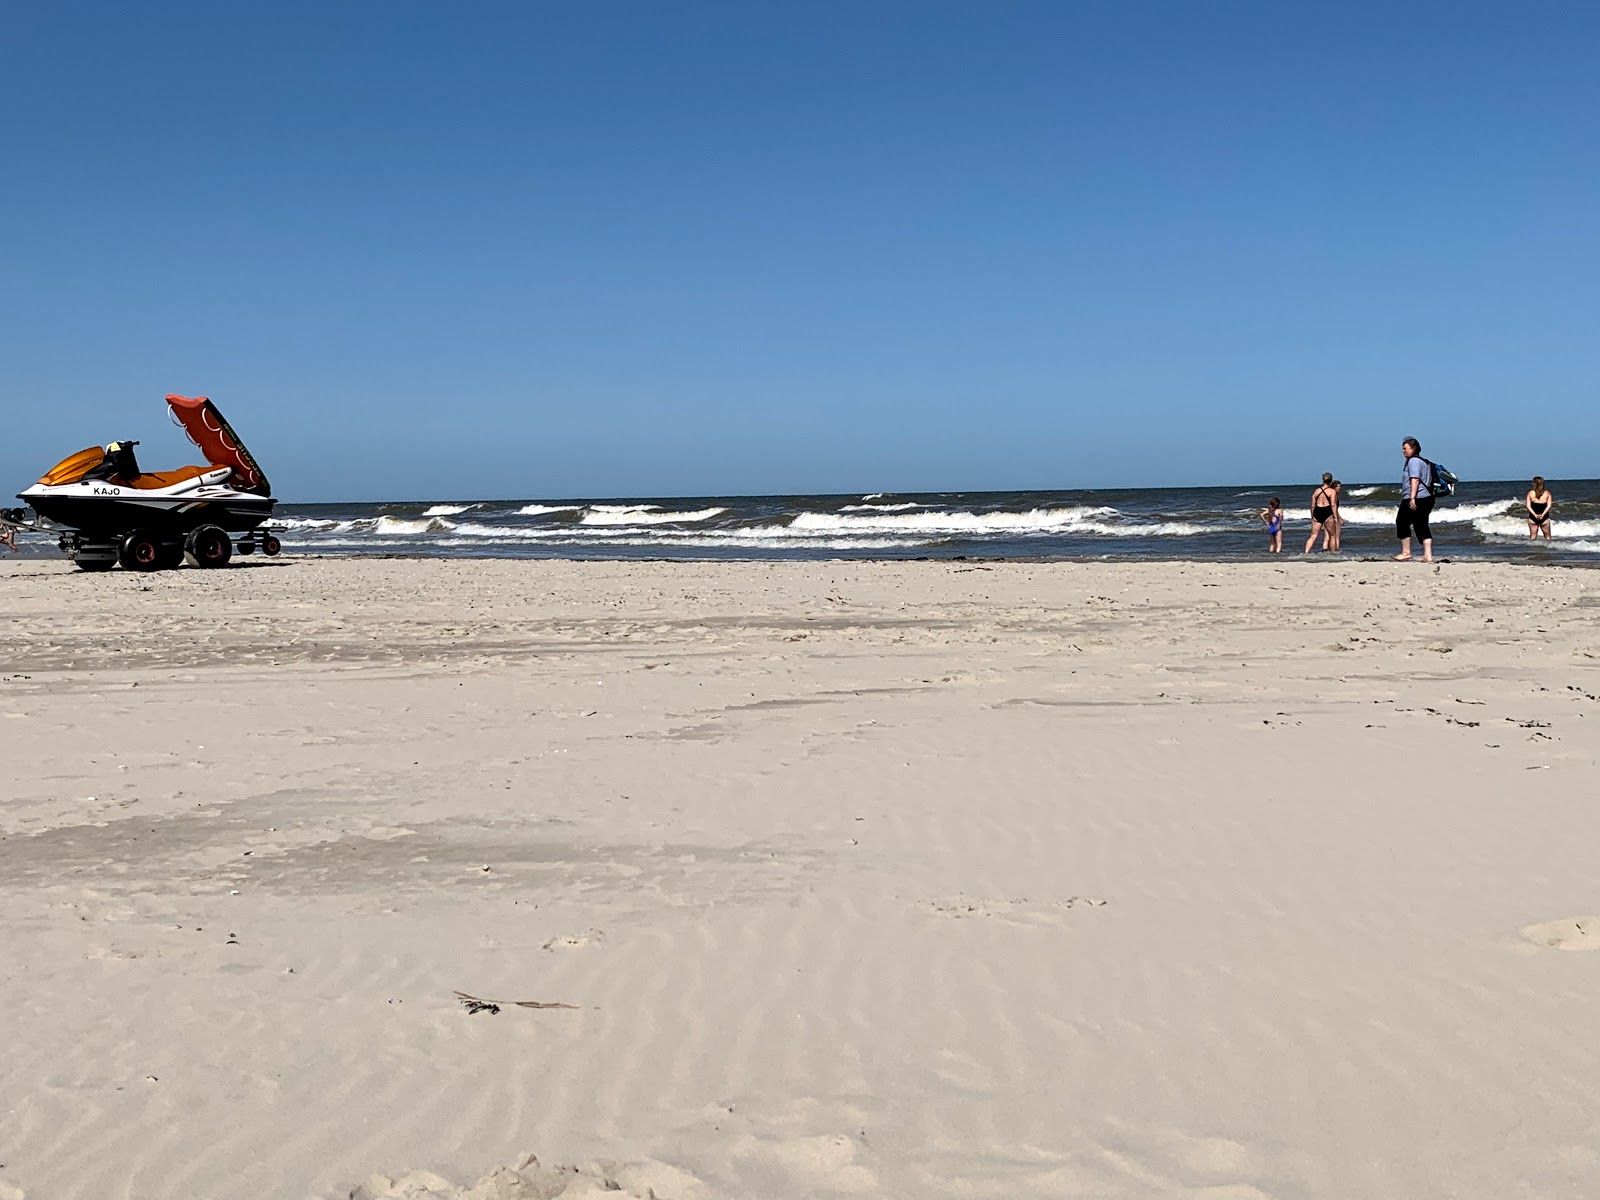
x=917, y=879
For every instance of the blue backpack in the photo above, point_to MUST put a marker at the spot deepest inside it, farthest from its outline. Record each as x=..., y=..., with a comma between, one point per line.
x=1440, y=480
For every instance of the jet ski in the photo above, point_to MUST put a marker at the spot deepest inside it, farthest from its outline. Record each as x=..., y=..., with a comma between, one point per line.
x=107, y=509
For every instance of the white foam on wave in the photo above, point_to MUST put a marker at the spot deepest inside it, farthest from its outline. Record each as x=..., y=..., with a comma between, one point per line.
x=646, y=515
x=710, y=540
x=1383, y=514
x=313, y=523
x=399, y=525
x=1033, y=521
x=624, y=508
x=541, y=510
x=1078, y=519
x=875, y=495
x=1361, y=491
x=447, y=510
x=1517, y=527
x=500, y=532
x=880, y=507
x=1585, y=547
x=1455, y=515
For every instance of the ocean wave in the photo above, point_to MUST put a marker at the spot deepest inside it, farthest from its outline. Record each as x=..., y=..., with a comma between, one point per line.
x=1361, y=491
x=447, y=510
x=311, y=523
x=624, y=508
x=1034, y=520
x=880, y=507
x=1471, y=512
x=1383, y=514
x=1517, y=527
x=541, y=510
x=875, y=495
x=400, y=525
x=644, y=540
x=646, y=515
x=1585, y=547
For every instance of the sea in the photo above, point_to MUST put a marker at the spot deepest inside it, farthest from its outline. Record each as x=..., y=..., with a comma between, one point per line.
x=1483, y=521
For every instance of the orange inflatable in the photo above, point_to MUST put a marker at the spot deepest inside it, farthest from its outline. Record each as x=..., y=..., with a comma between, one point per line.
x=208, y=429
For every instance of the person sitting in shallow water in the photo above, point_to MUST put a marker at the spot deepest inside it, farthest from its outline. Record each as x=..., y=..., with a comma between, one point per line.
x=1540, y=504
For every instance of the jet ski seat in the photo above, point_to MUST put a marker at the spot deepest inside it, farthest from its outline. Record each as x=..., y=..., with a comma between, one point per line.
x=150, y=480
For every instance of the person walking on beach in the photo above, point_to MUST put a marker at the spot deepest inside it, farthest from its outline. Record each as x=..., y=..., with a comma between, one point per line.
x=1324, y=512
x=1336, y=522
x=1416, y=502
x=1540, y=504
x=1272, y=518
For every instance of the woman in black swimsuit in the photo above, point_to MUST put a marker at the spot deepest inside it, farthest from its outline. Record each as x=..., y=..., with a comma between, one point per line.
x=1324, y=510
x=1540, y=504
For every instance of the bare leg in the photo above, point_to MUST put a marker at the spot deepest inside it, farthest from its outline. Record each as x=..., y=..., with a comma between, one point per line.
x=1405, y=551
x=1312, y=540
x=1427, y=549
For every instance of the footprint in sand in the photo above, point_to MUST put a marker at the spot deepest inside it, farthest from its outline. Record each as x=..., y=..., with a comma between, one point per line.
x=1569, y=933
x=804, y=1165
x=571, y=941
x=1022, y=911
x=533, y=1181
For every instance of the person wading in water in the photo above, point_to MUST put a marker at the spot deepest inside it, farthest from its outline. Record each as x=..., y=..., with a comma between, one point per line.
x=1540, y=504
x=1324, y=515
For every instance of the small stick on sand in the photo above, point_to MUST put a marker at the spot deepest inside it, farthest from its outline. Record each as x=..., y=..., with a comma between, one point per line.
x=476, y=1004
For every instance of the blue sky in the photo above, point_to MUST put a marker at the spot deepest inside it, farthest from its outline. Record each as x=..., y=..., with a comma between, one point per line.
x=480, y=250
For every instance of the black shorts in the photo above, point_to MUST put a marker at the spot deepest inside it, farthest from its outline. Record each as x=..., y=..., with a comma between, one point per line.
x=1410, y=521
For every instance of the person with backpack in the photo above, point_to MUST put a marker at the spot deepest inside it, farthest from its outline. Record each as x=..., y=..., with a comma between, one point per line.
x=1416, y=502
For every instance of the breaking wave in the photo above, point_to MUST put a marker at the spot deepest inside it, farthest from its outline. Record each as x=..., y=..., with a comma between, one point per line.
x=447, y=510
x=1517, y=527
x=543, y=510
x=649, y=514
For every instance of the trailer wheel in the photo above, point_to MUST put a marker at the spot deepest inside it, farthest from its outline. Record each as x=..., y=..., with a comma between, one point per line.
x=246, y=546
x=140, y=551
x=271, y=546
x=171, y=556
x=209, y=546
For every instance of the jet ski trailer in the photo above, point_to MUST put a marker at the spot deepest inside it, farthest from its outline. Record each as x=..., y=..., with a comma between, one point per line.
x=107, y=510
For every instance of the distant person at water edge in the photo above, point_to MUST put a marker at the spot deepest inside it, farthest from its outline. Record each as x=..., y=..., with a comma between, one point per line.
x=1540, y=504
x=1272, y=518
x=8, y=538
x=1324, y=512
x=1337, y=521
x=1416, y=502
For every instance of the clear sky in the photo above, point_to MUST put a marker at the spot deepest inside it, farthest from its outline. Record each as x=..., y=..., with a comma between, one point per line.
x=584, y=249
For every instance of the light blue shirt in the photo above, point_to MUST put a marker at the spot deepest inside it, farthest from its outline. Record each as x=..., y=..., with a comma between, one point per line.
x=1418, y=470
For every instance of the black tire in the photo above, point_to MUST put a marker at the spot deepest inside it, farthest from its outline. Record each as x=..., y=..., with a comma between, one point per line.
x=140, y=551
x=94, y=564
x=246, y=547
x=209, y=546
x=171, y=556
x=271, y=546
